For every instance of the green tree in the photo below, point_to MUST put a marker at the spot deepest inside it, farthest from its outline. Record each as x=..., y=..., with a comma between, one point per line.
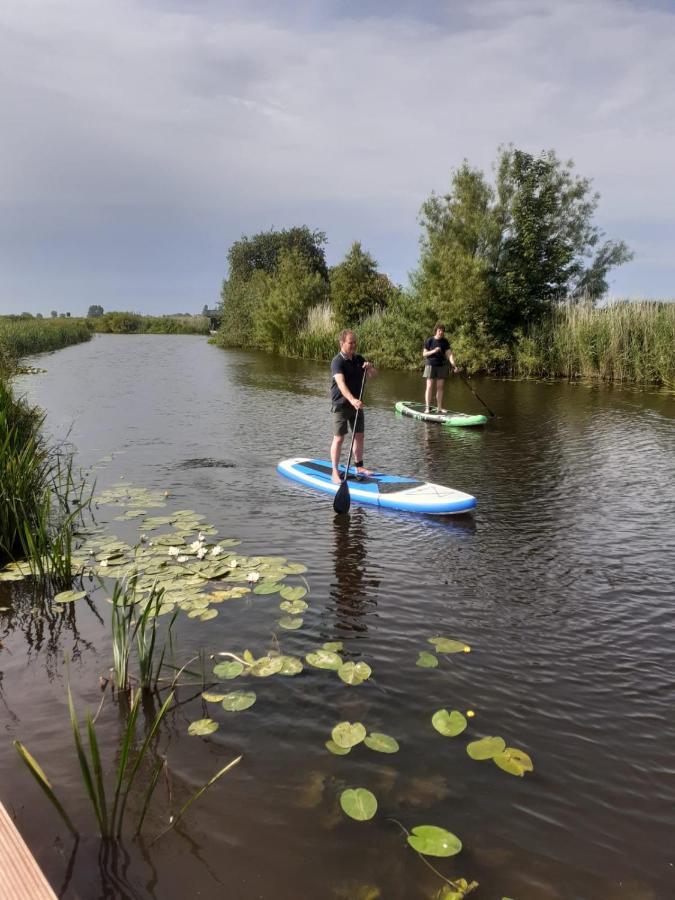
x=54, y=314
x=496, y=259
x=293, y=290
x=95, y=311
x=356, y=287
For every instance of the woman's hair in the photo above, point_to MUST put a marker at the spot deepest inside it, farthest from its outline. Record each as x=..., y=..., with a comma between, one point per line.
x=439, y=325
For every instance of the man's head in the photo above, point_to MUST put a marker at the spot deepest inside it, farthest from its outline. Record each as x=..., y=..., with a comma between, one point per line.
x=439, y=330
x=347, y=341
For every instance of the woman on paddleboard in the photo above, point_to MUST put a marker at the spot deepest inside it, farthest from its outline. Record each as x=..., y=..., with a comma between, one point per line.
x=438, y=357
x=348, y=369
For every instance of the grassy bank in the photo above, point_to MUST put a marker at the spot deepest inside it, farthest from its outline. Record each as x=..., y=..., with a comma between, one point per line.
x=625, y=341
x=24, y=337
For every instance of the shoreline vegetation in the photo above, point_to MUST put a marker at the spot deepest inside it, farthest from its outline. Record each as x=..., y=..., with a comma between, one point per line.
x=514, y=269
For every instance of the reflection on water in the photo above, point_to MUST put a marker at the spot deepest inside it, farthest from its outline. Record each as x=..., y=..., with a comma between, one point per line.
x=561, y=582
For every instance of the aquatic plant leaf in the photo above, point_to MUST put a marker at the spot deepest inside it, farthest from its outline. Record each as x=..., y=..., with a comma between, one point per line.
x=486, y=748
x=228, y=670
x=354, y=673
x=69, y=596
x=291, y=665
x=324, y=659
x=333, y=646
x=293, y=606
x=11, y=576
x=382, y=743
x=433, y=841
x=358, y=803
x=449, y=645
x=290, y=623
x=514, y=761
x=202, y=727
x=346, y=734
x=449, y=724
x=426, y=660
x=294, y=569
x=238, y=700
x=336, y=750
x=293, y=593
x=210, y=697
x=461, y=887
x=230, y=594
x=267, y=587
x=208, y=614
x=266, y=666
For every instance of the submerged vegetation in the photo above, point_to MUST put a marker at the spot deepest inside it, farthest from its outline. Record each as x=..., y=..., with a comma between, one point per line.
x=513, y=269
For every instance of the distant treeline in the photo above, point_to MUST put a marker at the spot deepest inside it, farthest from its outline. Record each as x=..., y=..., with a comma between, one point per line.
x=513, y=269
x=133, y=323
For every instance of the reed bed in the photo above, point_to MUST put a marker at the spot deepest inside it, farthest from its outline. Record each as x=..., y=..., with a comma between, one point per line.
x=25, y=337
x=625, y=341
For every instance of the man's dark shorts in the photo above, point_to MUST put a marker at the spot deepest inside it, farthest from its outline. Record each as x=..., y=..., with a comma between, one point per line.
x=343, y=417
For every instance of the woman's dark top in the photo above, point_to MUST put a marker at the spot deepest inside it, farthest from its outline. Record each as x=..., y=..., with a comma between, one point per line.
x=438, y=359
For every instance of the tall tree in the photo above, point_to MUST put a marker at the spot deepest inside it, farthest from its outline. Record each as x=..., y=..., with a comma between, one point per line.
x=293, y=290
x=357, y=288
x=95, y=311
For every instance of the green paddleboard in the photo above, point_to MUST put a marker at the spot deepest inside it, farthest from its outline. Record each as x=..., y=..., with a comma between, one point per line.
x=416, y=411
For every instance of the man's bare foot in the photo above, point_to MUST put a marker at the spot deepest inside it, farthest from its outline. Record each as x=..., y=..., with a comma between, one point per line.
x=361, y=470
x=336, y=477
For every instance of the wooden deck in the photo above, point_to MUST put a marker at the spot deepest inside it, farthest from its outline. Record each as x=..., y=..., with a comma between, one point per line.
x=20, y=876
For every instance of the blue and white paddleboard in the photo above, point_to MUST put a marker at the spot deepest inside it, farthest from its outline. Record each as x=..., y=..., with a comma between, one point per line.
x=378, y=489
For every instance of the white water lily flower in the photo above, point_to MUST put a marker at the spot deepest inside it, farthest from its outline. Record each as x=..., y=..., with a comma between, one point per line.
x=182, y=559
x=104, y=562
x=201, y=553
x=233, y=564
x=216, y=551
x=252, y=577
x=195, y=545
x=201, y=537
x=144, y=538
x=173, y=551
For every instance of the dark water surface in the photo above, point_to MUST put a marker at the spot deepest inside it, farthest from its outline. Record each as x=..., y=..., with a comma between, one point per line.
x=562, y=583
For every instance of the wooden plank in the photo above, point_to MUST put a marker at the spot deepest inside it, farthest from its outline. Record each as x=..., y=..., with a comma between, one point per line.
x=21, y=877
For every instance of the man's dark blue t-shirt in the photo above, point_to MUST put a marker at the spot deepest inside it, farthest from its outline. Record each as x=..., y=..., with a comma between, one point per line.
x=352, y=369
x=436, y=359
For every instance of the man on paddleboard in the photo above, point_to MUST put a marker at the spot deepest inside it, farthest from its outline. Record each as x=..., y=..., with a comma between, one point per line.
x=348, y=369
x=438, y=358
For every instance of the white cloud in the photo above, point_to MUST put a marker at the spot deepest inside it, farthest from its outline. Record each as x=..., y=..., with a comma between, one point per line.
x=186, y=125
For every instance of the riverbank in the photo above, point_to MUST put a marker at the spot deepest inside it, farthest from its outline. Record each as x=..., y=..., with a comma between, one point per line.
x=25, y=337
x=623, y=342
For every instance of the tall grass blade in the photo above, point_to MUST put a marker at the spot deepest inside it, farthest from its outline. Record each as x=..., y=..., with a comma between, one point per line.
x=84, y=764
x=98, y=775
x=127, y=740
x=36, y=771
x=159, y=765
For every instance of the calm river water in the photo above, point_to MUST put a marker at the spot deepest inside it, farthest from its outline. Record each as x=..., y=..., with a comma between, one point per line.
x=561, y=582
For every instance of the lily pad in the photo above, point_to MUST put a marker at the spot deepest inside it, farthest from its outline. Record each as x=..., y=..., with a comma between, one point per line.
x=294, y=569
x=486, y=748
x=359, y=804
x=266, y=666
x=69, y=596
x=354, y=673
x=291, y=665
x=293, y=607
x=238, y=700
x=293, y=593
x=433, y=841
x=208, y=614
x=382, y=743
x=210, y=697
x=333, y=646
x=228, y=670
x=267, y=587
x=324, y=659
x=347, y=735
x=427, y=660
x=514, y=761
x=290, y=623
x=338, y=751
x=449, y=645
x=449, y=724
x=202, y=727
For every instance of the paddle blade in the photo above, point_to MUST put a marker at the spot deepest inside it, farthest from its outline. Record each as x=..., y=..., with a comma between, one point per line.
x=342, y=500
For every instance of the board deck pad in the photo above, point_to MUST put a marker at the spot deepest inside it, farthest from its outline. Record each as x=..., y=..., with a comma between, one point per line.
x=416, y=411
x=380, y=489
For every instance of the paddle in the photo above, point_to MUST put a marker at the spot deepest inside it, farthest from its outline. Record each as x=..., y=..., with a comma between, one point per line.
x=492, y=415
x=342, y=501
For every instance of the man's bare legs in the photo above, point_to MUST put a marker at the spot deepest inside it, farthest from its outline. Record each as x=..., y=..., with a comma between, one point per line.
x=428, y=392
x=440, y=387
x=335, y=450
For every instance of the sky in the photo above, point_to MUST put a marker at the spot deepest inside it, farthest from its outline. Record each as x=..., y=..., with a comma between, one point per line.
x=141, y=138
